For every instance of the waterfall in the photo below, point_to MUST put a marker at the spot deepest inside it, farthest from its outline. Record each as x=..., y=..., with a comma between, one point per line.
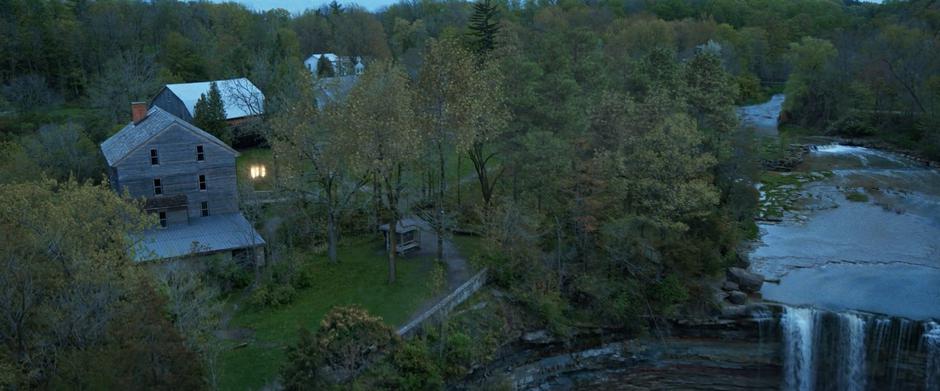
x=852, y=347
x=798, y=333
x=853, y=351
x=932, y=345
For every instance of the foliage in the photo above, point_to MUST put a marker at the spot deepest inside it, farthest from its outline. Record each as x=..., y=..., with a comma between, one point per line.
x=63, y=151
x=349, y=338
x=209, y=113
x=382, y=138
x=304, y=360
x=29, y=92
x=68, y=266
x=484, y=26
x=415, y=367
x=325, y=67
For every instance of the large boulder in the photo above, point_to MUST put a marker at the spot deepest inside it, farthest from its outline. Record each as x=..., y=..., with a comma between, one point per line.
x=737, y=297
x=747, y=281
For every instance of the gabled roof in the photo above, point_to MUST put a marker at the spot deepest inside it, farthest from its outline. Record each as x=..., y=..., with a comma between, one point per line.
x=238, y=95
x=311, y=61
x=132, y=136
x=329, y=90
x=203, y=234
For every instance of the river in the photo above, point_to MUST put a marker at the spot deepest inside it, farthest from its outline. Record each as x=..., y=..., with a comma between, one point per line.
x=857, y=257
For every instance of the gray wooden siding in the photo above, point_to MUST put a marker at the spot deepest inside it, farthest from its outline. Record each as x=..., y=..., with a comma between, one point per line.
x=179, y=171
x=168, y=101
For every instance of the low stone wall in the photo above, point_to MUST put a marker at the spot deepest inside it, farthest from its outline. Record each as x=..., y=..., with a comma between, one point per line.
x=435, y=313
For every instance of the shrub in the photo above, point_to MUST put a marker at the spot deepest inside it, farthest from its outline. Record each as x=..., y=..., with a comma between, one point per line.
x=416, y=369
x=272, y=295
x=852, y=125
x=228, y=273
x=302, y=369
x=350, y=338
x=460, y=355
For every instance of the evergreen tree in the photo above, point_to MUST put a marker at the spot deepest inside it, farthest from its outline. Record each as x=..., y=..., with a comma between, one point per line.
x=209, y=113
x=484, y=25
x=325, y=67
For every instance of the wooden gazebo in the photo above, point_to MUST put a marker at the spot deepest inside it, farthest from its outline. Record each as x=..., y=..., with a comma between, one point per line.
x=408, y=235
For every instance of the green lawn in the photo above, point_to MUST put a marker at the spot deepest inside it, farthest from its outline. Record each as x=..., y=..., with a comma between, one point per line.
x=470, y=246
x=359, y=278
x=255, y=156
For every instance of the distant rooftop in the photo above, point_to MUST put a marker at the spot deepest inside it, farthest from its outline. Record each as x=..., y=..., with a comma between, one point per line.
x=329, y=90
x=239, y=96
x=203, y=234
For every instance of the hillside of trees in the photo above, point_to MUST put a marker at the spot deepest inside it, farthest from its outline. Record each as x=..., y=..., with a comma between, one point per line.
x=614, y=180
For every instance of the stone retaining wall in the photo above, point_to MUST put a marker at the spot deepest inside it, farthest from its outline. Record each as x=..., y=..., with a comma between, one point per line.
x=455, y=298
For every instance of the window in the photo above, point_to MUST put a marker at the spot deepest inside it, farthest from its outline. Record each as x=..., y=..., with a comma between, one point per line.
x=157, y=187
x=202, y=182
x=205, y=208
x=162, y=219
x=200, y=153
x=154, y=157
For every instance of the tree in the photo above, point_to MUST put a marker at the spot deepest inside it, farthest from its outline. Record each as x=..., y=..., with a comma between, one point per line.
x=447, y=94
x=302, y=370
x=316, y=163
x=382, y=138
x=325, y=67
x=348, y=340
x=811, y=91
x=130, y=76
x=63, y=151
x=65, y=252
x=484, y=26
x=209, y=113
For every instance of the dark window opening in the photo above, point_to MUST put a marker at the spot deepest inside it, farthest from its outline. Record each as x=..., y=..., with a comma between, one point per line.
x=154, y=157
x=205, y=208
x=202, y=182
x=200, y=153
x=157, y=187
x=162, y=219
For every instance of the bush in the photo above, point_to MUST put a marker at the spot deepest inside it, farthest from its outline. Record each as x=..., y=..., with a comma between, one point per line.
x=272, y=295
x=302, y=370
x=852, y=126
x=228, y=273
x=350, y=338
x=415, y=367
x=29, y=93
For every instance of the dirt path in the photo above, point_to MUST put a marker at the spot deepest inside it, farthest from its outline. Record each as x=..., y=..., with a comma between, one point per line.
x=457, y=268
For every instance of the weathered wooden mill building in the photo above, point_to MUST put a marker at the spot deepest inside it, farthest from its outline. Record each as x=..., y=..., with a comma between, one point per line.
x=187, y=178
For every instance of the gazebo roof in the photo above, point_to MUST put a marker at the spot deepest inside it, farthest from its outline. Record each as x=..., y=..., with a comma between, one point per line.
x=404, y=225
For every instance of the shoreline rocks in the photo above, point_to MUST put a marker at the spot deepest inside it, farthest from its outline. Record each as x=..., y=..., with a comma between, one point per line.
x=747, y=281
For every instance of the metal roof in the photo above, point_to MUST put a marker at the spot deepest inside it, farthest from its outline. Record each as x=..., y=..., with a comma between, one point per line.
x=240, y=97
x=125, y=141
x=330, y=90
x=203, y=235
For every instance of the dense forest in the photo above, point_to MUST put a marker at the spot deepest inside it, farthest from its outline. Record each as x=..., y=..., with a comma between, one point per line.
x=613, y=178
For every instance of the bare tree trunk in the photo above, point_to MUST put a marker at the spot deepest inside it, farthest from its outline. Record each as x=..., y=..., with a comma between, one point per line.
x=392, y=247
x=459, y=181
x=439, y=227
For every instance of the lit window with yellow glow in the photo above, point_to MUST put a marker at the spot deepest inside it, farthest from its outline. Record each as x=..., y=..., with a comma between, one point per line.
x=258, y=171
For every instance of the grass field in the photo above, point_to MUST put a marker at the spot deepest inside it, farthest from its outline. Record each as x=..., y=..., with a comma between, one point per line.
x=359, y=278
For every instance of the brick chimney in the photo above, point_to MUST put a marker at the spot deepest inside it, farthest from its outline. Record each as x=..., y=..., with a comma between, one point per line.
x=138, y=111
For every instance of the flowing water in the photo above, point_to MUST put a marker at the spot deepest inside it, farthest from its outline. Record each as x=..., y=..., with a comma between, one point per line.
x=859, y=278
